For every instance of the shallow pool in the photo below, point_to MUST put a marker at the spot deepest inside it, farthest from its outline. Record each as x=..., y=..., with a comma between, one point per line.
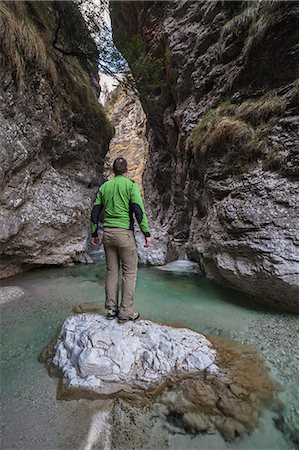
x=32, y=418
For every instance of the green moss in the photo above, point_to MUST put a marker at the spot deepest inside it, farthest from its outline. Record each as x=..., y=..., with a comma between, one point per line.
x=89, y=112
x=167, y=56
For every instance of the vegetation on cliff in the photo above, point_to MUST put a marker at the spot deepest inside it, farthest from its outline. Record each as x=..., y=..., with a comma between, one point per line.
x=54, y=133
x=238, y=132
x=223, y=153
x=36, y=37
x=147, y=68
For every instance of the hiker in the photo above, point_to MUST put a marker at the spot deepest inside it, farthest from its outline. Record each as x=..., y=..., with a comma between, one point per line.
x=120, y=199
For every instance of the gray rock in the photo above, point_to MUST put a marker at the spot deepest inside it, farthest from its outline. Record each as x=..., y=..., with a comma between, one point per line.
x=251, y=241
x=235, y=212
x=51, y=152
x=157, y=253
x=181, y=266
x=106, y=357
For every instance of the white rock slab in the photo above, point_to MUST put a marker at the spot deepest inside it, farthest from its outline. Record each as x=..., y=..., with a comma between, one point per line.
x=105, y=357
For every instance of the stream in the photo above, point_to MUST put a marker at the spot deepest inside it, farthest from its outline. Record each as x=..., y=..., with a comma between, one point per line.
x=31, y=416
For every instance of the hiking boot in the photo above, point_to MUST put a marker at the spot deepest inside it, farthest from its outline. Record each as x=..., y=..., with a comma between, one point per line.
x=111, y=314
x=134, y=317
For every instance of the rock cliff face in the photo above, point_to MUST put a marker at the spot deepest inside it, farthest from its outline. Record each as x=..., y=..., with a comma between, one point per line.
x=128, y=118
x=125, y=112
x=217, y=81
x=53, y=134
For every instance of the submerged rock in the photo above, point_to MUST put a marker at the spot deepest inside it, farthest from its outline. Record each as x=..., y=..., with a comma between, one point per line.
x=8, y=293
x=181, y=266
x=197, y=385
x=106, y=357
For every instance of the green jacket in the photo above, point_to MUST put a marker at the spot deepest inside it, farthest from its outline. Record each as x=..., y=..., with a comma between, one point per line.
x=120, y=199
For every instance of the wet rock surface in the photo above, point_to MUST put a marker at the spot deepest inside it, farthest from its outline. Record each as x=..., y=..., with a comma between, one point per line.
x=223, y=137
x=181, y=266
x=156, y=254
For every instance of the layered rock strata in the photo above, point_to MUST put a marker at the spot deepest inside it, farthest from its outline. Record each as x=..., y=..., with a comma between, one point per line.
x=218, y=83
x=53, y=134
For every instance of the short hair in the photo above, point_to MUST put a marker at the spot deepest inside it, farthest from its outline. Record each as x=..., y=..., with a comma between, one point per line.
x=120, y=166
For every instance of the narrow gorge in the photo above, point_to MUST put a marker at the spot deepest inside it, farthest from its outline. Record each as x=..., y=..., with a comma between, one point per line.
x=221, y=173
x=205, y=109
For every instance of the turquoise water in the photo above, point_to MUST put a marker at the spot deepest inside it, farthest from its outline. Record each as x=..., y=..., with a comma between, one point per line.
x=32, y=418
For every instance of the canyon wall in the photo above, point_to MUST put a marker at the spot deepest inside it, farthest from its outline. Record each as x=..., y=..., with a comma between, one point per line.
x=219, y=84
x=125, y=112
x=53, y=134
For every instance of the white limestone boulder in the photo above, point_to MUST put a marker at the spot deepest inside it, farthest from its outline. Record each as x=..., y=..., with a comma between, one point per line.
x=105, y=357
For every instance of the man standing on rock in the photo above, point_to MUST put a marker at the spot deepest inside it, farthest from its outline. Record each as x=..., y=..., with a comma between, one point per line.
x=120, y=199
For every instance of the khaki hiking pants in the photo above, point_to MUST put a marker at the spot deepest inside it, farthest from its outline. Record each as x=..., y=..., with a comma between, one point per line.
x=121, y=251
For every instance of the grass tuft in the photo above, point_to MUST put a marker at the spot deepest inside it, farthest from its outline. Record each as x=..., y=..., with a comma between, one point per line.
x=251, y=24
x=242, y=20
x=236, y=132
x=217, y=135
x=260, y=111
x=21, y=42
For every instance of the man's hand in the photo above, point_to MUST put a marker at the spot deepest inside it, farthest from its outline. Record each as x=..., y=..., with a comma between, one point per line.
x=148, y=242
x=96, y=241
